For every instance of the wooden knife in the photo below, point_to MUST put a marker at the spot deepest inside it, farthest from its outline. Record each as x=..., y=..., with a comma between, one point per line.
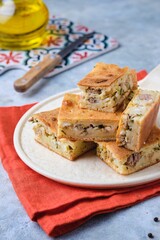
x=49, y=62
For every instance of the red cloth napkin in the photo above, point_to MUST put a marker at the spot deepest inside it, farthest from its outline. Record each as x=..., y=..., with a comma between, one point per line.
x=141, y=74
x=56, y=207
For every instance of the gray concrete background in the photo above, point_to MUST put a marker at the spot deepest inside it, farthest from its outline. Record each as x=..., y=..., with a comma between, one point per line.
x=136, y=24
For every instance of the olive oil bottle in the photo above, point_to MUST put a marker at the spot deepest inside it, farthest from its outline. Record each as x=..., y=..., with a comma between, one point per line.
x=22, y=23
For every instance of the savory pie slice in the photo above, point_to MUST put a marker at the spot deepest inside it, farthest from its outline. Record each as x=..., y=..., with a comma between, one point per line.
x=125, y=161
x=138, y=119
x=45, y=128
x=106, y=87
x=76, y=123
x=127, y=100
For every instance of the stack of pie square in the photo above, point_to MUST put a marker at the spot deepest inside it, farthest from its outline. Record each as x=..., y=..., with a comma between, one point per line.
x=111, y=114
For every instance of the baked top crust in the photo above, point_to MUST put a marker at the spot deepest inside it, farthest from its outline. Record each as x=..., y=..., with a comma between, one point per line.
x=70, y=111
x=138, y=119
x=122, y=153
x=153, y=137
x=103, y=75
x=49, y=118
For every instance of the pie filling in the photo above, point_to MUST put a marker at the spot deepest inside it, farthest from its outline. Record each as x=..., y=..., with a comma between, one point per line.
x=67, y=148
x=77, y=130
x=107, y=97
x=147, y=156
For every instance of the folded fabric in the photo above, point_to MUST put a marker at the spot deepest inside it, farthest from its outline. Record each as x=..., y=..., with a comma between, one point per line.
x=141, y=74
x=59, y=208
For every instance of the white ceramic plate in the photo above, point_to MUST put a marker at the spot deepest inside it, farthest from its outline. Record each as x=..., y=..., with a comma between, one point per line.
x=88, y=170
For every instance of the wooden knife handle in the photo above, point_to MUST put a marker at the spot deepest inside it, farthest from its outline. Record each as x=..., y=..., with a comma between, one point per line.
x=37, y=72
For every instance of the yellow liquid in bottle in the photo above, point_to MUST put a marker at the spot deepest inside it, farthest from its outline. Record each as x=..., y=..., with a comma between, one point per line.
x=22, y=23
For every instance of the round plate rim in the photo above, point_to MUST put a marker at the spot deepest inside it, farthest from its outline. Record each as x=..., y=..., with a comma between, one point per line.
x=25, y=159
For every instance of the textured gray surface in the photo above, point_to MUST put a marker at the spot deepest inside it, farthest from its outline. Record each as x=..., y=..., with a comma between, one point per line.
x=135, y=24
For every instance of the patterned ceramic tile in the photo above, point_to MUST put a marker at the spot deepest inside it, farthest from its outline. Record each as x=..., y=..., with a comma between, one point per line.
x=60, y=32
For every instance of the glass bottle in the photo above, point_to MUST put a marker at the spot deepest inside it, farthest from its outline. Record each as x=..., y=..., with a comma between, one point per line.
x=22, y=23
